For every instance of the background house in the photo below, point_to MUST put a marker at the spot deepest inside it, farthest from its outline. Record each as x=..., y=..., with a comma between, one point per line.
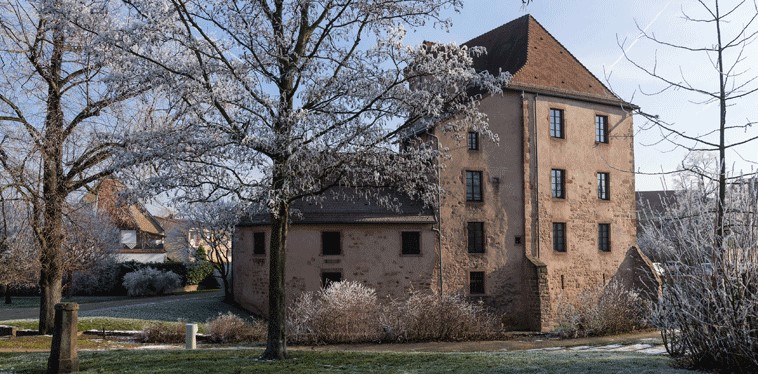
x=544, y=214
x=141, y=235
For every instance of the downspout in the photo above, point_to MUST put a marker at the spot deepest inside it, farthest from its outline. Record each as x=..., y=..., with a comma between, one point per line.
x=438, y=210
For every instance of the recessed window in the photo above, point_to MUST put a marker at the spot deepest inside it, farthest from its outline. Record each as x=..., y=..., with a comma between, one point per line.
x=476, y=283
x=559, y=236
x=601, y=129
x=331, y=245
x=475, y=232
x=603, y=186
x=604, y=237
x=473, y=186
x=558, y=183
x=329, y=277
x=473, y=141
x=411, y=242
x=556, y=123
x=259, y=243
x=517, y=240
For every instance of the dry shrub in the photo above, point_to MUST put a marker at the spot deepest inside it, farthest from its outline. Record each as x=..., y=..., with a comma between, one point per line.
x=151, y=281
x=349, y=312
x=230, y=328
x=163, y=332
x=341, y=313
x=427, y=316
x=601, y=311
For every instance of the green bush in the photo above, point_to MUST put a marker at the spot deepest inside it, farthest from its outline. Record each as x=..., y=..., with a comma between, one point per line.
x=197, y=271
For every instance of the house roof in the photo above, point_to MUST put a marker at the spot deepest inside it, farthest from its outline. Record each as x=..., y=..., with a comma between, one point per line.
x=346, y=206
x=538, y=62
x=655, y=201
x=106, y=198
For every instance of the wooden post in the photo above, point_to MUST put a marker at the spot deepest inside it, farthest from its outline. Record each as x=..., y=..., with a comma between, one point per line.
x=190, y=340
x=63, y=353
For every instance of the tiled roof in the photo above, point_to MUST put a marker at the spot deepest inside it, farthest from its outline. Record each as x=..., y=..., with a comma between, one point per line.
x=106, y=198
x=655, y=201
x=344, y=205
x=538, y=62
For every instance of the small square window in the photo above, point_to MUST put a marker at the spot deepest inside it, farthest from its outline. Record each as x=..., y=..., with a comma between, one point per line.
x=329, y=277
x=259, y=243
x=603, y=186
x=473, y=186
x=556, y=123
x=604, y=237
x=475, y=231
x=473, y=141
x=411, y=242
x=559, y=237
x=330, y=243
x=517, y=240
x=558, y=183
x=476, y=283
x=601, y=129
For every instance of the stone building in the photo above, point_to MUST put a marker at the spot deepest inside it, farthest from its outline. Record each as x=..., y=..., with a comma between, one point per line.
x=543, y=214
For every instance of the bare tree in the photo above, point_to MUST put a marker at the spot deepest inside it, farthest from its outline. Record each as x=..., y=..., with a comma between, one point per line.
x=18, y=253
x=735, y=28
x=271, y=102
x=708, y=311
x=57, y=89
x=214, y=223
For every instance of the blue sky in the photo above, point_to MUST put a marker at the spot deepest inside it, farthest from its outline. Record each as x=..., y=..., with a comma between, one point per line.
x=590, y=30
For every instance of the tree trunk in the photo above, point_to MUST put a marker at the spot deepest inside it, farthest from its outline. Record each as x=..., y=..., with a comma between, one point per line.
x=53, y=192
x=224, y=272
x=7, y=292
x=276, y=345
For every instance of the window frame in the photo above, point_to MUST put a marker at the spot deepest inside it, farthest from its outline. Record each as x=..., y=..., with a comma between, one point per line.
x=474, y=192
x=403, y=235
x=558, y=190
x=256, y=237
x=473, y=141
x=601, y=129
x=604, y=237
x=324, y=235
x=481, y=290
x=474, y=246
x=557, y=123
x=603, y=185
x=325, y=281
x=560, y=243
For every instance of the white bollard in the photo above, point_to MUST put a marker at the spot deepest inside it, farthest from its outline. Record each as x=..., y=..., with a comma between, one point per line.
x=190, y=340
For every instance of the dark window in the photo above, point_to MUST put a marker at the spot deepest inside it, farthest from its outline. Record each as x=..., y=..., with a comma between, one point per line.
x=475, y=237
x=259, y=243
x=517, y=240
x=556, y=123
x=473, y=186
x=330, y=243
x=329, y=277
x=473, y=141
x=411, y=242
x=558, y=183
x=476, y=283
x=603, y=186
x=559, y=237
x=604, y=237
x=601, y=129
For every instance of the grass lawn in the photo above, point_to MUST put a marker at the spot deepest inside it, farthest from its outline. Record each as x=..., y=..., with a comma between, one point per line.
x=33, y=301
x=91, y=323
x=245, y=361
x=43, y=343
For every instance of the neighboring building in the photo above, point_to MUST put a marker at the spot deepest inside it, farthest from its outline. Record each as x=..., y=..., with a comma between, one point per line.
x=549, y=211
x=140, y=233
x=183, y=238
